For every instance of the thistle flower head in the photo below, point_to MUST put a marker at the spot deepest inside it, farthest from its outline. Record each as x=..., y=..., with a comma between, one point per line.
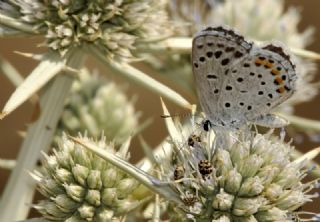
x=239, y=176
x=112, y=25
x=96, y=105
x=80, y=186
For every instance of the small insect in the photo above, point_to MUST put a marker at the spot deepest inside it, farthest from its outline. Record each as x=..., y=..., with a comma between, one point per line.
x=294, y=217
x=239, y=83
x=193, y=139
x=178, y=172
x=189, y=199
x=205, y=168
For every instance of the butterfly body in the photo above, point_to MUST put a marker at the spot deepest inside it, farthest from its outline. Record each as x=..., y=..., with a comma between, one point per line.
x=237, y=82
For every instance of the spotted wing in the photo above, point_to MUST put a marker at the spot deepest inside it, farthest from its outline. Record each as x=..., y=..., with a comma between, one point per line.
x=258, y=83
x=214, y=51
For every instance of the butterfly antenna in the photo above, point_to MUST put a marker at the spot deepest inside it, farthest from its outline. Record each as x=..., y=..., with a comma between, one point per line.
x=178, y=115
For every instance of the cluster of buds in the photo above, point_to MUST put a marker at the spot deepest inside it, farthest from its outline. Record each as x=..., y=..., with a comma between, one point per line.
x=243, y=176
x=96, y=105
x=113, y=25
x=80, y=186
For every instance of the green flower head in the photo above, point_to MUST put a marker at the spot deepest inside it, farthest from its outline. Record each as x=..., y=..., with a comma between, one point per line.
x=113, y=25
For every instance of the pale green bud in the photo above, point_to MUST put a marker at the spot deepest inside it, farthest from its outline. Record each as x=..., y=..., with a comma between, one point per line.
x=239, y=152
x=80, y=174
x=288, y=177
x=110, y=177
x=64, y=160
x=250, y=218
x=273, y=214
x=109, y=196
x=273, y=191
x=81, y=156
x=94, y=179
x=86, y=211
x=222, y=219
x=233, y=181
x=222, y=201
x=64, y=176
x=123, y=205
x=249, y=167
x=104, y=215
x=268, y=173
x=222, y=161
x=247, y=206
x=126, y=186
x=50, y=187
x=50, y=208
x=65, y=204
x=93, y=197
x=291, y=199
x=251, y=186
x=76, y=192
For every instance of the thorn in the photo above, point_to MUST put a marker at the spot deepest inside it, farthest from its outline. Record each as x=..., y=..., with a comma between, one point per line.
x=30, y=55
x=71, y=71
x=2, y=115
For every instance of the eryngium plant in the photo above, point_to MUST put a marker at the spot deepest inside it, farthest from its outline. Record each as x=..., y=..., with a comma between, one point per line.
x=112, y=25
x=80, y=186
x=218, y=175
x=96, y=105
x=237, y=177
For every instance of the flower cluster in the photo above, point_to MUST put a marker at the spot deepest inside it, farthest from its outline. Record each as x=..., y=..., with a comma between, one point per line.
x=111, y=25
x=237, y=177
x=80, y=186
x=96, y=105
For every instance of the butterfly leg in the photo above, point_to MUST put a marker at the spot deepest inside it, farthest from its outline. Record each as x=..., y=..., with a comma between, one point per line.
x=271, y=121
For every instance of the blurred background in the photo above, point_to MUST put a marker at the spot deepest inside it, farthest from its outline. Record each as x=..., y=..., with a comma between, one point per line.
x=148, y=103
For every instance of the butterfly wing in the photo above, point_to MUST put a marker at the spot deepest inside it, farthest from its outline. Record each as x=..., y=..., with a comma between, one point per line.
x=258, y=83
x=214, y=51
x=237, y=82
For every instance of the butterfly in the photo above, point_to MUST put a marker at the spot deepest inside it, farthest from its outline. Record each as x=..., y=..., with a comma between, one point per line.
x=239, y=83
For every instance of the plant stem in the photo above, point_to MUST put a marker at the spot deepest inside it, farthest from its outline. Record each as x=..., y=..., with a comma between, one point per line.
x=7, y=164
x=18, y=194
x=16, y=24
x=183, y=45
x=141, y=78
x=302, y=123
x=315, y=172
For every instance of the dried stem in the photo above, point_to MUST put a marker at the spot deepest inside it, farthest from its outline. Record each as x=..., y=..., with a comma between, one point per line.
x=17, y=197
x=183, y=45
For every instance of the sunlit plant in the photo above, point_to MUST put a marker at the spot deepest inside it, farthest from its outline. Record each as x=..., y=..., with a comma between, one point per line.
x=85, y=124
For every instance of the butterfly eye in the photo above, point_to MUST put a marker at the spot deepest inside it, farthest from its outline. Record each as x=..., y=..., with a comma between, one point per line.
x=207, y=125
